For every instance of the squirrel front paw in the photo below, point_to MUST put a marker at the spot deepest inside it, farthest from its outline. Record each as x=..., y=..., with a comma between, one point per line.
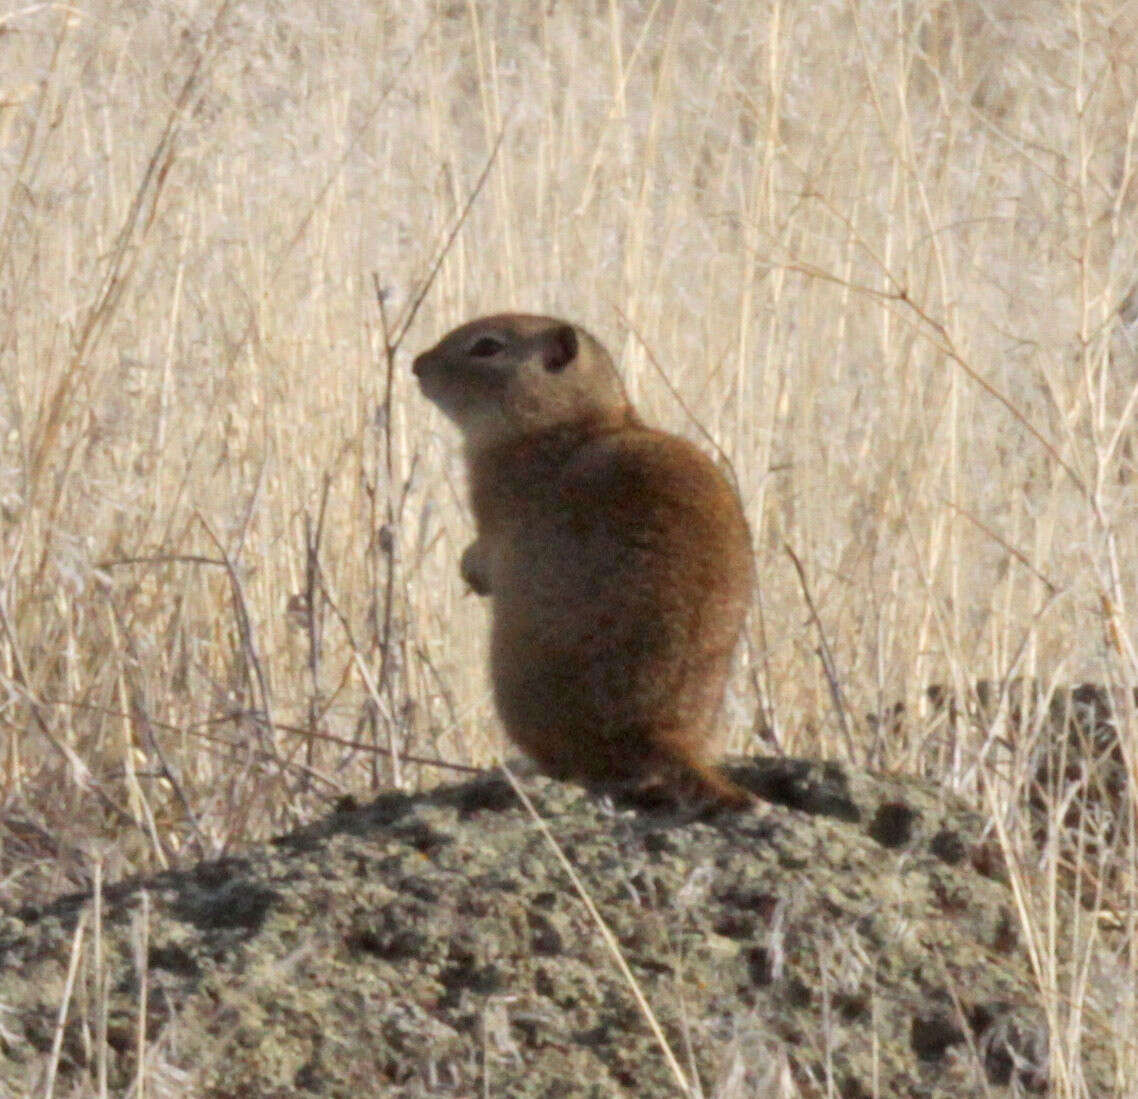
x=474, y=569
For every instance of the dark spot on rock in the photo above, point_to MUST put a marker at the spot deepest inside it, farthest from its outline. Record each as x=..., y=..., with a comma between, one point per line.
x=851, y=1005
x=655, y=965
x=834, y=773
x=793, y=1036
x=981, y=1016
x=527, y=1029
x=421, y=836
x=122, y=1033
x=930, y=1037
x=465, y=976
x=546, y=900
x=235, y=904
x=892, y=824
x=309, y=1077
x=797, y=784
x=562, y=1089
x=868, y=925
x=298, y=842
x=797, y=993
x=39, y=1028
x=735, y=925
x=1010, y=1048
x=658, y=843
x=544, y=984
x=748, y=898
x=390, y=934
x=948, y=846
x=599, y=1035
x=647, y=885
x=1006, y=938
x=998, y=1066
x=219, y=872
x=395, y=1072
x=491, y=794
x=385, y=810
x=389, y=867
x=174, y=959
x=850, y=1087
x=759, y=968
x=651, y=800
x=988, y=861
x=544, y=936
x=473, y=906
x=413, y=886
x=950, y=899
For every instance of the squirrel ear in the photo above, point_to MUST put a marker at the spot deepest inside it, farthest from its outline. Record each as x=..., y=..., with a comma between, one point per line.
x=559, y=348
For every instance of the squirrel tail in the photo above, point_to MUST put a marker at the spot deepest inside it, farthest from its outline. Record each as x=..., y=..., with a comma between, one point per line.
x=693, y=785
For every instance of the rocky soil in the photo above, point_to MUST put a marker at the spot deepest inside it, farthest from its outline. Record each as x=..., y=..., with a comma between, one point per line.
x=857, y=938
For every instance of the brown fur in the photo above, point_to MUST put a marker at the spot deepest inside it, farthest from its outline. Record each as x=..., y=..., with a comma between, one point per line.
x=617, y=559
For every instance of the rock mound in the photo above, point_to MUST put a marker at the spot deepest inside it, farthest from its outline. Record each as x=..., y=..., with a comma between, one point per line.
x=857, y=938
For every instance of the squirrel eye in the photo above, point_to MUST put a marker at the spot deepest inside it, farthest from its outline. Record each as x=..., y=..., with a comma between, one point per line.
x=485, y=347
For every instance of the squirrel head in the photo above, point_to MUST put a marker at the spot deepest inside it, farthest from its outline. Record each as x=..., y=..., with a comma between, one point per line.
x=515, y=375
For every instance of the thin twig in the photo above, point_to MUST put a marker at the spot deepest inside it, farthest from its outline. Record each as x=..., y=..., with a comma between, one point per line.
x=314, y=618
x=161, y=559
x=277, y=266
x=65, y=1004
x=609, y=938
x=81, y=773
x=194, y=729
x=140, y=716
x=824, y=652
x=245, y=630
x=387, y=545
x=124, y=256
x=1052, y=588
x=676, y=395
x=940, y=339
x=142, y=967
x=102, y=984
x=405, y=322
x=387, y=532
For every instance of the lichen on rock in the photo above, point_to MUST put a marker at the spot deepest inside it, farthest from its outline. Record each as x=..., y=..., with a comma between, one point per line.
x=855, y=939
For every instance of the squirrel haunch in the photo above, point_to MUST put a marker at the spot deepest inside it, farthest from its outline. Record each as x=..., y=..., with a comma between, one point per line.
x=616, y=557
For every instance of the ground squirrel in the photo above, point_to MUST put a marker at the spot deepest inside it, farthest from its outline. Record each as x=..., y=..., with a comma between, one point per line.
x=616, y=557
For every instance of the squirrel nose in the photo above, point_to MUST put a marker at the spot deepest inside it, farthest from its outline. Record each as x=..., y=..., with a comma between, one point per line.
x=417, y=366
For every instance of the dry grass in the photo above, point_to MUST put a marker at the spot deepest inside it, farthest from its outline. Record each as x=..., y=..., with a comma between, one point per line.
x=882, y=253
